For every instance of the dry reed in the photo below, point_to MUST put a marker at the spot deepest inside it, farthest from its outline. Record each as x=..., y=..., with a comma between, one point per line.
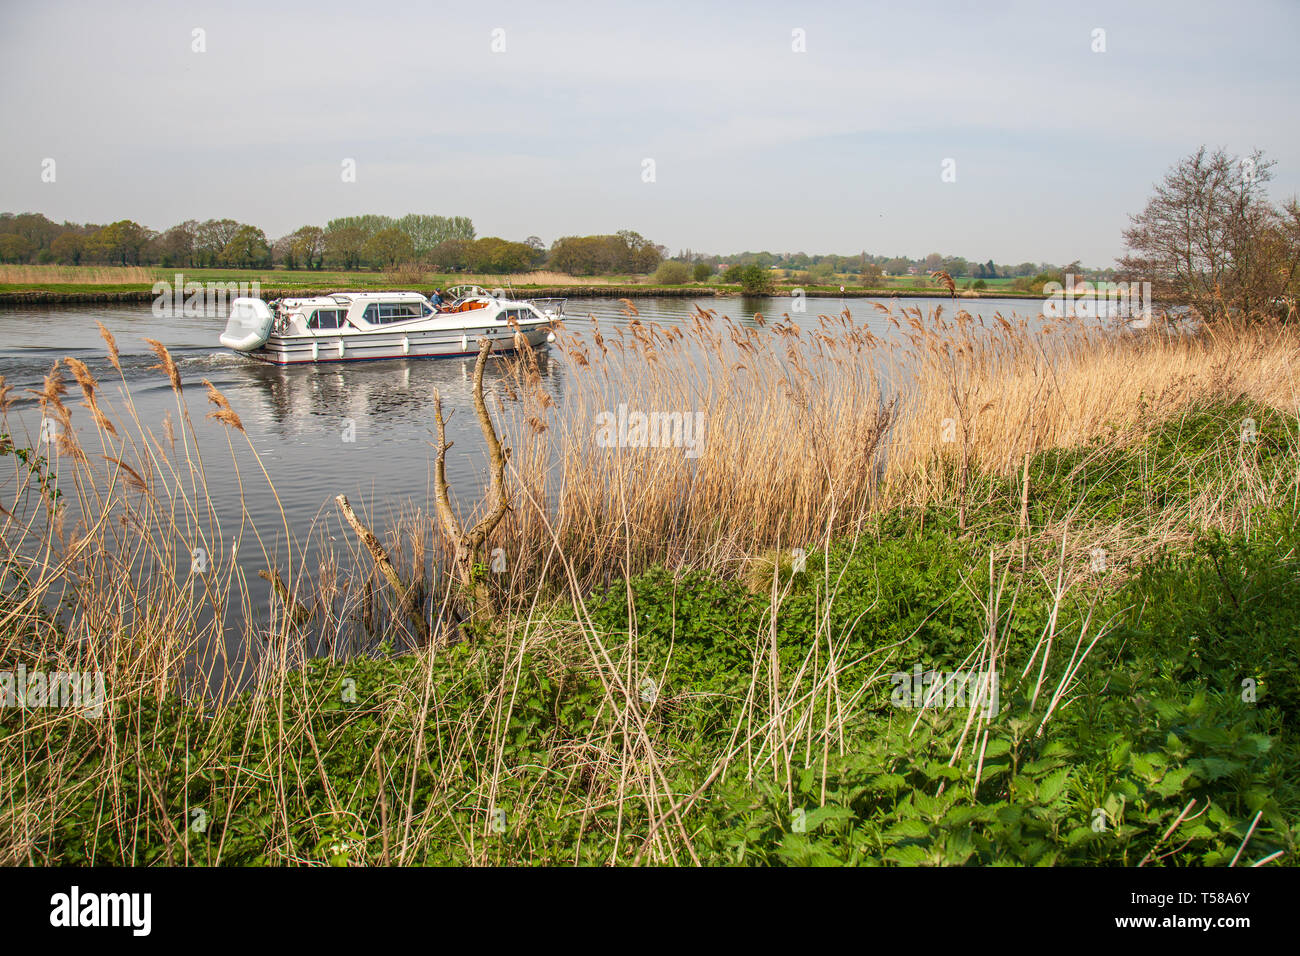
x=809, y=430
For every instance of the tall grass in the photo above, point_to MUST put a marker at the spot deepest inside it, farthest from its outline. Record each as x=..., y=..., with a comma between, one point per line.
x=76, y=275
x=810, y=431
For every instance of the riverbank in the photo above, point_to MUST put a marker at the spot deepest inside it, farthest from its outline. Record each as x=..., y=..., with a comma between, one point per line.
x=705, y=659
x=1146, y=713
x=16, y=296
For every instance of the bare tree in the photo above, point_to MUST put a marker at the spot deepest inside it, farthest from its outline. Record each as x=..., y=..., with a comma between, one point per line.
x=1210, y=238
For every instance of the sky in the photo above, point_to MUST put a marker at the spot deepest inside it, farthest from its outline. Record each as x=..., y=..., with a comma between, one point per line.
x=538, y=119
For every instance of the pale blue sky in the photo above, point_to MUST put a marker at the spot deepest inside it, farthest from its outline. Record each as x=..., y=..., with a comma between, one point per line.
x=837, y=149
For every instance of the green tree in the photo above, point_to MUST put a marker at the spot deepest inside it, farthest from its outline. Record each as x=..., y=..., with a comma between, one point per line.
x=343, y=244
x=307, y=246
x=498, y=256
x=211, y=238
x=623, y=252
x=387, y=247
x=539, y=249
x=68, y=248
x=369, y=224
x=39, y=231
x=672, y=272
x=177, y=245
x=755, y=280
x=14, y=248
x=247, y=248
x=427, y=232
x=121, y=242
x=450, y=256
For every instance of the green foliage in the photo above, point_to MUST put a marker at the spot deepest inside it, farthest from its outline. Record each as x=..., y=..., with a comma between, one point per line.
x=36, y=465
x=753, y=279
x=1158, y=725
x=672, y=272
x=623, y=253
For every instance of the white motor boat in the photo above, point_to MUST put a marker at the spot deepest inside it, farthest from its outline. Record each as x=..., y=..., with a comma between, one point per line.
x=361, y=326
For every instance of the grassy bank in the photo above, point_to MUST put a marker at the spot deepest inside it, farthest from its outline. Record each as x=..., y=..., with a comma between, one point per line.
x=90, y=284
x=1109, y=524
x=720, y=723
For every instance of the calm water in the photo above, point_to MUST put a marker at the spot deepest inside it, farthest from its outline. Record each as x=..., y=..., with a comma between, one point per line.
x=360, y=429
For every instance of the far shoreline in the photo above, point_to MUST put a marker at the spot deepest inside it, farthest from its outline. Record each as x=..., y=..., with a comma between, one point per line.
x=138, y=293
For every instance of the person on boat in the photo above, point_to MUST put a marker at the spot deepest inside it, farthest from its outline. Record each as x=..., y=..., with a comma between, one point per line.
x=435, y=300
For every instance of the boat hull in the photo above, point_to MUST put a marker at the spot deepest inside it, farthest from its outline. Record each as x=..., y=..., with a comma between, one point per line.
x=398, y=344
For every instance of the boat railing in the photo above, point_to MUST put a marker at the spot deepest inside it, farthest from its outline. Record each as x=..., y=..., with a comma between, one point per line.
x=543, y=305
x=460, y=293
x=456, y=295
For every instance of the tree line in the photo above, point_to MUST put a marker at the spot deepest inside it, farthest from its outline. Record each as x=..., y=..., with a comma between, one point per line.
x=870, y=267
x=351, y=242
x=1208, y=237
x=444, y=243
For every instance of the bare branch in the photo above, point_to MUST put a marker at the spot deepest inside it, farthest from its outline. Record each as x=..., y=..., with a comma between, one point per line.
x=407, y=596
x=499, y=503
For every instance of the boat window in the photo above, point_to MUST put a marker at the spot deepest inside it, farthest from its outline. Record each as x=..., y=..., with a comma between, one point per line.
x=519, y=315
x=326, y=319
x=379, y=314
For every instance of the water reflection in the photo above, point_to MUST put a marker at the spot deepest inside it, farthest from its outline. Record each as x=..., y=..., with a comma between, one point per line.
x=389, y=398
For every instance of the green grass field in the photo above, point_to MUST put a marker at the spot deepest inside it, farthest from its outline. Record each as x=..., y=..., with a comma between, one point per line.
x=87, y=282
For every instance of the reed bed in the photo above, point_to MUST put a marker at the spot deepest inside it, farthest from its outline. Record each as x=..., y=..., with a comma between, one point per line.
x=801, y=434
x=1014, y=393
x=809, y=430
x=75, y=275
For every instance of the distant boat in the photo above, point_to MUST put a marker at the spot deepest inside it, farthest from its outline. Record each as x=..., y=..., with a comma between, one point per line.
x=362, y=326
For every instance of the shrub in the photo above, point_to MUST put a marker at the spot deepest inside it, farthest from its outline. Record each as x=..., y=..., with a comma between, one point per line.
x=672, y=272
x=755, y=280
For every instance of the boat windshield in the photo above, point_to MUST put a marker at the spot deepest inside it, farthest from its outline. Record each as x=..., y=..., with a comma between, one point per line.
x=459, y=294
